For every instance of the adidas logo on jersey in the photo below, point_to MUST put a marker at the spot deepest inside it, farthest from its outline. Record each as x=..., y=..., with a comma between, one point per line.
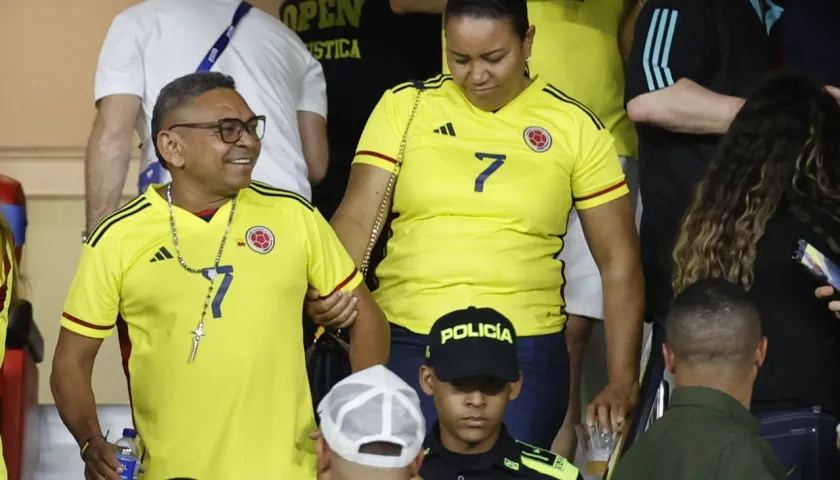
x=162, y=254
x=446, y=130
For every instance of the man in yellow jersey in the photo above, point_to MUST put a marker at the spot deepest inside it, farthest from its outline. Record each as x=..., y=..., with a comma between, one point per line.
x=8, y=294
x=577, y=49
x=207, y=276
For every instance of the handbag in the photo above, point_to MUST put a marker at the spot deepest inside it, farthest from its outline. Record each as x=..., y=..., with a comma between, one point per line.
x=328, y=358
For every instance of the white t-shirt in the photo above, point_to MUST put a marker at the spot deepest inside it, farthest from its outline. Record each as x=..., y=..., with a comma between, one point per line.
x=152, y=43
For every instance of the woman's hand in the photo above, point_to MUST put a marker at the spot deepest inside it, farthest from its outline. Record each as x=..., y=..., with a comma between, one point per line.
x=613, y=405
x=333, y=312
x=827, y=292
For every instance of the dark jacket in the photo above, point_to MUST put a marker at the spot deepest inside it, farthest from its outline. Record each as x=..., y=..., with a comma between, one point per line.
x=509, y=458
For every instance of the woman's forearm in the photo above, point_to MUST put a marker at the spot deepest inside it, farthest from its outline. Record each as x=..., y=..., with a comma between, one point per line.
x=354, y=219
x=623, y=287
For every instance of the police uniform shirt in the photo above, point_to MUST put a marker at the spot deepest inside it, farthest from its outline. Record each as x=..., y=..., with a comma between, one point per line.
x=509, y=458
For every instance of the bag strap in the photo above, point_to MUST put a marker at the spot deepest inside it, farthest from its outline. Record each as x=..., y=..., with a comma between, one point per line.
x=385, y=206
x=221, y=44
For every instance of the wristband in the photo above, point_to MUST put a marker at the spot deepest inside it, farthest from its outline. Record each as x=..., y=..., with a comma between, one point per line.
x=87, y=443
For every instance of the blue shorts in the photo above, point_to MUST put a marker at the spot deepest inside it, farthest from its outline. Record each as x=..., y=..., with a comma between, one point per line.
x=538, y=413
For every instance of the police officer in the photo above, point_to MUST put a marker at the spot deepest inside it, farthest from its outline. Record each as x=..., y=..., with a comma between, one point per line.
x=472, y=372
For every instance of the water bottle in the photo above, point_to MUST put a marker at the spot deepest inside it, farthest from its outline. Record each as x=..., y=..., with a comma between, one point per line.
x=126, y=449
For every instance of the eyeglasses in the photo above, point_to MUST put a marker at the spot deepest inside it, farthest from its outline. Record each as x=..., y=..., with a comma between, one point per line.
x=230, y=129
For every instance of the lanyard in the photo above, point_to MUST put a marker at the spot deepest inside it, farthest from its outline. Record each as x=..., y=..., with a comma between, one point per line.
x=153, y=173
x=223, y=41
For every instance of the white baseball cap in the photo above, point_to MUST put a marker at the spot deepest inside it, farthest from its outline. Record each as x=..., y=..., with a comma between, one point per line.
x=373, y=405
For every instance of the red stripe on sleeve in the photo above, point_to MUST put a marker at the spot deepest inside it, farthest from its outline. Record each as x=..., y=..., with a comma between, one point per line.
x=602, y=192
x=84, y=323
x=377, y=155
x=343, y=283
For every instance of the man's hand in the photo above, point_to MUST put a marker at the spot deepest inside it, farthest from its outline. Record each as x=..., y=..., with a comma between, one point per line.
x=834, y=91
x=336, y=311
x=838, y=437
x=827, y=292
x=101, y=461
x=612, y=406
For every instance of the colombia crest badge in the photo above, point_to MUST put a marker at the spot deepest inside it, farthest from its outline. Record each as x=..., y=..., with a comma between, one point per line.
x=537, y=138
x=260, y=239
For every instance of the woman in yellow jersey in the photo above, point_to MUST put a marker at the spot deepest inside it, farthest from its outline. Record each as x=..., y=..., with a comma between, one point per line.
x=493, y=162
x=8, y=294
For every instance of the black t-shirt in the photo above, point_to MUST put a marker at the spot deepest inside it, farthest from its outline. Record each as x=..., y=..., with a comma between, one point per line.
x=803, y=336
x=719, y=44
x=365, y=49
x=810, y=39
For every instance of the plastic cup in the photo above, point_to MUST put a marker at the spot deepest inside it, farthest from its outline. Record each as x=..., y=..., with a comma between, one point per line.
x=596, y=447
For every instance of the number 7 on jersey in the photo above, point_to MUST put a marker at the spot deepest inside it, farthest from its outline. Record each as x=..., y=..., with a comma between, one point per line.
x=498, y=160
x=227, y=271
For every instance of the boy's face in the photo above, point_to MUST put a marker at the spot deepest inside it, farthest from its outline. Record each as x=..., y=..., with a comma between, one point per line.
x=470, y=409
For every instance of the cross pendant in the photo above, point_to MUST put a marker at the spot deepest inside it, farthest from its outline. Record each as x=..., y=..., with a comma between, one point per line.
x=197, y=334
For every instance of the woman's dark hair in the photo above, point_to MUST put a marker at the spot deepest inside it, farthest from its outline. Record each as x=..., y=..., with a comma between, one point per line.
x=783, y=148
x=513, y=11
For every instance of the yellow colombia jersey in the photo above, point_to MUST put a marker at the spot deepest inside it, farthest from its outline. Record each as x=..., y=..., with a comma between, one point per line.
x=242, y=410
x=576, y=48
x=7, y=274
x=482, y=200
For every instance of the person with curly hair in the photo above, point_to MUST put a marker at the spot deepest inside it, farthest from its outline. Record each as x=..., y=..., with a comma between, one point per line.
x=776, y=180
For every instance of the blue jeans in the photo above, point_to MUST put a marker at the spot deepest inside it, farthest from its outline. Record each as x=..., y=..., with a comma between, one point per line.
x=805, y=442
x=534, y=417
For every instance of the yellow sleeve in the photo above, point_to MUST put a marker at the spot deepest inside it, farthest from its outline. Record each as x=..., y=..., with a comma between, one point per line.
x=93, y=302
x=330, y=267
x=379, y=144
x=597, y=177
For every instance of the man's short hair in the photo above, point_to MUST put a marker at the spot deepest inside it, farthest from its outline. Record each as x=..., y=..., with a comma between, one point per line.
x=181, y=91
x=713, y=322
x=385, y=449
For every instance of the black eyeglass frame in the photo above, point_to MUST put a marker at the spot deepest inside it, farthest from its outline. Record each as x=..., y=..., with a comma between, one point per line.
x=251, y=125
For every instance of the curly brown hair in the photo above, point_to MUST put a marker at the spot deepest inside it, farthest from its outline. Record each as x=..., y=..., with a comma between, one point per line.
x=7, y=262
x=783, y=148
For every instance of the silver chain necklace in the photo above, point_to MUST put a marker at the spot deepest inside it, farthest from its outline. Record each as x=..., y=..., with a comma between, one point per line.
x=209, y=273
